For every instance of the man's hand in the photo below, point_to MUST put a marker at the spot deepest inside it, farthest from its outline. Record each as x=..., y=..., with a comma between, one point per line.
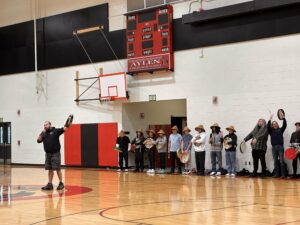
x=254, y=141
x=40, y=138
x=271, y=116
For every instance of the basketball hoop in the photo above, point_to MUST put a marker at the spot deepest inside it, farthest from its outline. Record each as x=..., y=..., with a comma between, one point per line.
x=106, y=99
x=112, y=87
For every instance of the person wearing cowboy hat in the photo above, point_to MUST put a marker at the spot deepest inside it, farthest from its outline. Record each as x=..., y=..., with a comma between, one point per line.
x=139, y=148
x=175, y=143
x=230, y=143
x=123, y=143
x=198, y=142
x=150, y=147
x=186, y=148
x=216, y=146
x=161, y=146
x=295, y=142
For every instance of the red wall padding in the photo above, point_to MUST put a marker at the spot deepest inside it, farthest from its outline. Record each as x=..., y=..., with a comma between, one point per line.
x=73, y=145
x=107, y=136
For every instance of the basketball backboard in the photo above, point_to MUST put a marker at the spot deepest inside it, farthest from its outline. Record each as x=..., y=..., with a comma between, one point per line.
x=112, y=86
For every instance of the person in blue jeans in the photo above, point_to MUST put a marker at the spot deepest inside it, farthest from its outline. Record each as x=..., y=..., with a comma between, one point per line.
x=277, y=142
x=175, y=143
x=216, y=146
x=230, y=143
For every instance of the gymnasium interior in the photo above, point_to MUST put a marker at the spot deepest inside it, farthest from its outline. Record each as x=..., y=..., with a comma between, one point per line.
x=99, y=70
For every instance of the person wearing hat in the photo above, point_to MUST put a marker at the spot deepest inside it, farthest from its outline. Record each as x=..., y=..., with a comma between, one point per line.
x=150, y=148
x=123, y=143
x=259, y=136
x=295, y=140
x=139, y=148
x=161, y=146
x=230, y=143
x=198, y=142
x=277, y=142
x=216, y=146
x=186, y=148
x=175, y=143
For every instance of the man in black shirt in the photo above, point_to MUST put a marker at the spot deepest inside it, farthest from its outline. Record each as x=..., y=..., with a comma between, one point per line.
x=50, y=139
x=123, y=142
x=295, y=139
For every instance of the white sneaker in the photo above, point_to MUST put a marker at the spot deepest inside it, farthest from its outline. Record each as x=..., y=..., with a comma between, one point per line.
x=218, y=174
x=126, y=170
x=163, y=171
x=232, y=175
x=149, y=171
x=212, y=173
x=228, y=174
x=152, y=171
x=119, y=170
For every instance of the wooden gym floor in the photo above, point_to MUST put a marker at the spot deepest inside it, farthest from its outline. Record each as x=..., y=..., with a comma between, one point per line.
x=107, y=197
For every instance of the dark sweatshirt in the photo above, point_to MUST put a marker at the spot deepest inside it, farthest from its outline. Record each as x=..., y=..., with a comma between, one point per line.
x=123, y=143
x=50, y=139
x=277, y=134
x=233, y=142
x=295, y=138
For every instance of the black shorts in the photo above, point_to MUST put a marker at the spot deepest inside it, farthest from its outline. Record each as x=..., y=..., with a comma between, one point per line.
x=53, y=161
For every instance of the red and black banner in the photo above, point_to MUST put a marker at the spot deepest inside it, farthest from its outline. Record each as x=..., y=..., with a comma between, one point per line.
x=91, y=145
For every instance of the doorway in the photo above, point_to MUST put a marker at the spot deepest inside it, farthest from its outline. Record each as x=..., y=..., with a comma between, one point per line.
x=179, y=121
x=5, y=143
x=154, y=115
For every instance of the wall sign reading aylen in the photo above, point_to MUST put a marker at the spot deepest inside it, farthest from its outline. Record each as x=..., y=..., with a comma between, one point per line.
x=151, y=63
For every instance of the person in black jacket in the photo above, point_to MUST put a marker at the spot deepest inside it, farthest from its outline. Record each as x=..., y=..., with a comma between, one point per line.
x=277, y=142
x=123, y=143
x=295, y=139
x=139, y=148
x=50, y=139
x=230, y=143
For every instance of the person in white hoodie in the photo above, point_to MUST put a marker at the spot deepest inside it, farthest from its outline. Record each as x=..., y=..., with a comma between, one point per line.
x=198, y=142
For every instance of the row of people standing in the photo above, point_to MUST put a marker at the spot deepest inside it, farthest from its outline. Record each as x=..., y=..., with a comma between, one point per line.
x=168, y=147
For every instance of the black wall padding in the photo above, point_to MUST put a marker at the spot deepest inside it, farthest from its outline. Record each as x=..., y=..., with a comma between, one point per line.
x=89, y=145
x=69, y=52
x=256, y=6
x=272, y=23
x=17, y=48
x=58, y=47
x=218, y=13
